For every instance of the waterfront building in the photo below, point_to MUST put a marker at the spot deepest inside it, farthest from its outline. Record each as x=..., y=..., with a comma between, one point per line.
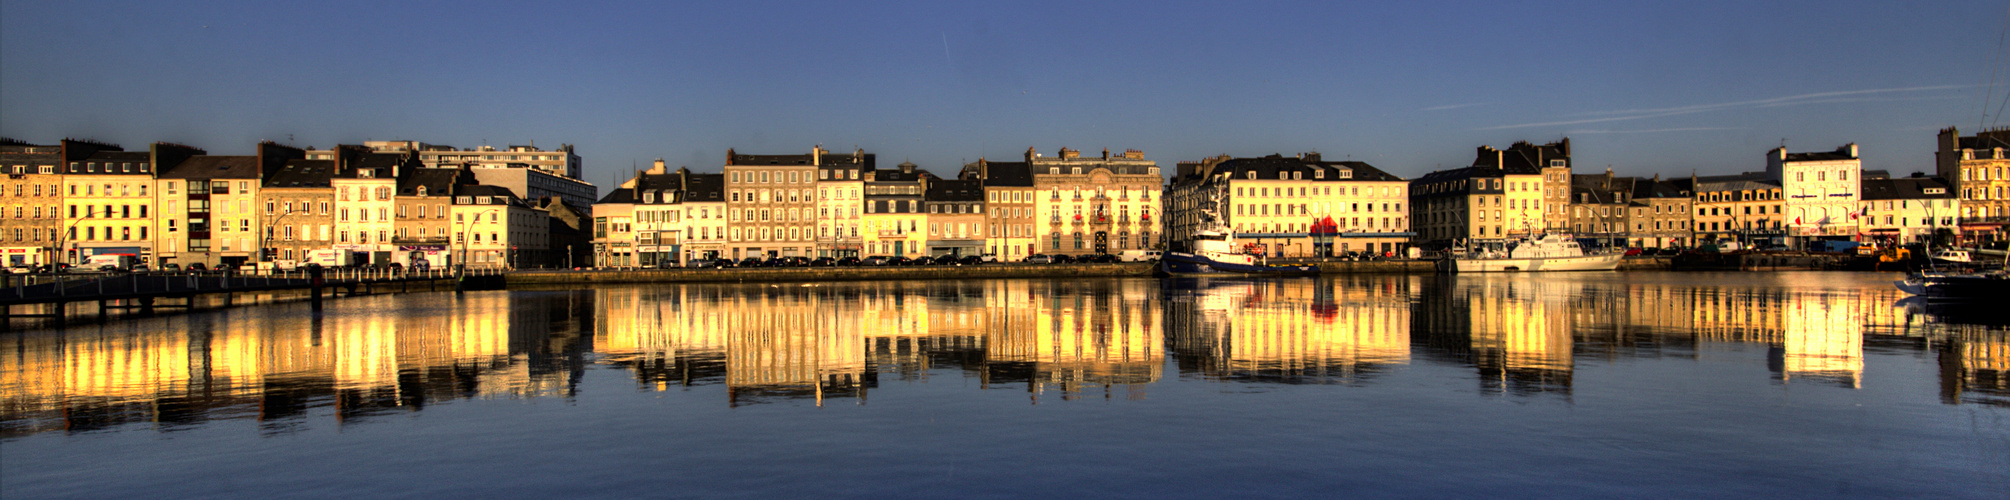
x=1498, y=198
x=531, y=172
x=1745, y=208
x=1821, y=191
x=30, y=202
x=210, y=211
x=493, y=228
x=421, y=224
x=363, y=183
x=894, y=216
x=840, y=194
x=302, y=193
x=1301, y=206
x=1629, y=211
x=567, y=235
x=1096, y=205
x=1979, y=173
x=703, y=197
x=1907, y=210
x=1552, y=160
x=618, y=234
x=955, y=217
x=1011, y=212
x=108, y=201
x=771, y=204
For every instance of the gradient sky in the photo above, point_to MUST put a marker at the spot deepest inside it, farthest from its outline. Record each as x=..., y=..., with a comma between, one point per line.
x=1410, y=87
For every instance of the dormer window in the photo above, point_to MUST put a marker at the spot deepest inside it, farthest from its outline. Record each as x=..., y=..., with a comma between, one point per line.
x=1319, y=174
x=649, y=197
x=1346, y=174
x=1935, y=191
x=1556, y=163
x=422, y=190
x=464, y=200
x=367, y=173
x=1252, y=175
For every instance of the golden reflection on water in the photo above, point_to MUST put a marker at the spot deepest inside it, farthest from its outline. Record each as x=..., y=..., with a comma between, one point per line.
x=1068, y=339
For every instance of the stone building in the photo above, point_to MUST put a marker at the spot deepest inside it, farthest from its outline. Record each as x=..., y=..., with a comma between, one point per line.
x=840, y=194
x=1479, y=203
x=956, y=217
x=525, y=169
x=1821, y=192
x=1010, y=210
x=1296, y=206
x=1747, y=208
x=493, y=228
x=301, y=191
x=771, y=203
x=1908, y=210
x=894, y=216
x=421, y=220
x=108, y=201
x=32, y=201
x=1979, y=173
x=1096, y=205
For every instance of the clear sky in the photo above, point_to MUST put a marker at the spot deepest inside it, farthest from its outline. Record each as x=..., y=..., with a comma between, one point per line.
x=1407, y=86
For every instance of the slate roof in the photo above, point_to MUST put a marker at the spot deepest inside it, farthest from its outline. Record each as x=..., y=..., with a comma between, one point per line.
x=302, y=174
x=1008, y=174
x=214, y=167
x=438, y=181
x=704, y=188
x=119, y=158
x=772, y=160
x=955, y=191
x=1907, y=188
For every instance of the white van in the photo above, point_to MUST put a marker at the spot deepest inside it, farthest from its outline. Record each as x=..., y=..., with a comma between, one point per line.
x=1138, y=256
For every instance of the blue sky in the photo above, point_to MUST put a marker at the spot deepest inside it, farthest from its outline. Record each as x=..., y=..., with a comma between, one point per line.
x=1411, y=87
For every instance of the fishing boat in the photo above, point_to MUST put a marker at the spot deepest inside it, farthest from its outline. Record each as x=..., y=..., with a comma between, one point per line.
x=1941, y=286
x=1547, y=252
x=1214, y=250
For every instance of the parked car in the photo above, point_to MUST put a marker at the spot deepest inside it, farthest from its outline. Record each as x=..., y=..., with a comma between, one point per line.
x=1040, y=259
x=171, y=267
x=848, y=261
x=702, y=264
x=198, y=267
x=1065, y=259
x=899, y=261
x=877, y=260
x=988, y=257
x=21, y=269
x=1101, y=258
x=823, y=262
x=1633, y=251
x=752, y=262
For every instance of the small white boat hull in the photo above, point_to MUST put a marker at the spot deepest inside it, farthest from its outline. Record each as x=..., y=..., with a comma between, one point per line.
x=1603, y=262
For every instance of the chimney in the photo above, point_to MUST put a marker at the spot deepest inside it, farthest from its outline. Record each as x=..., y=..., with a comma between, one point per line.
x=1852, y=150
x=729, y=156
x=658, y=167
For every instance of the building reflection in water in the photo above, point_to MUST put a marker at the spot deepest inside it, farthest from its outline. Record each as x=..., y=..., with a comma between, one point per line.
x=1290, y=331
x=837, y=340
x=363, y=357
x=283, y=365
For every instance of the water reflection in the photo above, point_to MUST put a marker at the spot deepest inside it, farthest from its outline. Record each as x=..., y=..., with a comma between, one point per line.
x=286, y=366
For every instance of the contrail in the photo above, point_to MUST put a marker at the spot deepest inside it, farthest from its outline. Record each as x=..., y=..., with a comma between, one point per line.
x=945, y=49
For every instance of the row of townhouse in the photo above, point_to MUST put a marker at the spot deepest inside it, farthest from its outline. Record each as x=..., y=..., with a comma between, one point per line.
x=1799, y=198
x=825, y=204
x=1292, y=206
x=285, y=205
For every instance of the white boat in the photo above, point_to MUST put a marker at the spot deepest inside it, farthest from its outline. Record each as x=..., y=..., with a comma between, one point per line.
x=1955, y=256
x=1547, y=252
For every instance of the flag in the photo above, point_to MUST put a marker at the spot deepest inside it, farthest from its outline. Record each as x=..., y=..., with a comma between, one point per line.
x=1797, y=221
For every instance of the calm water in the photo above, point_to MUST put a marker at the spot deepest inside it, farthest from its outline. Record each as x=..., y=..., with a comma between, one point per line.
x=1736, y=384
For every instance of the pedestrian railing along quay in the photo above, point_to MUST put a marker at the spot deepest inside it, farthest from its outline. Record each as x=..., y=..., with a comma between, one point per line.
x=58, y=288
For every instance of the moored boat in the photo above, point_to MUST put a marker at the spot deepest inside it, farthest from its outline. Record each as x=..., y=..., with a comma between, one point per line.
x=1548, y=252
x=1940, y=286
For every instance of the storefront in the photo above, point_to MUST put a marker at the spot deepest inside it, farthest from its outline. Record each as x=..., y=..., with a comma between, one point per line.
x=427, y=256
x=23, y=256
